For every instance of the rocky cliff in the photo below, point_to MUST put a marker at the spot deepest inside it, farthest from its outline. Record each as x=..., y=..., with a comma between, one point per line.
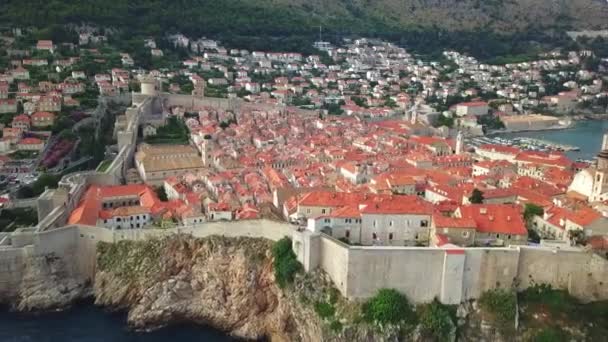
x=226, y=283
x=39, y=283
x=230, y=284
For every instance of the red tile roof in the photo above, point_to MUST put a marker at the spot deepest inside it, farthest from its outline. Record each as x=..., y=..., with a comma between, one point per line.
x=441, y=221
x=500, y=149
x=90, y=207
x=404, y=205
x=495, y=218
x=30, y=141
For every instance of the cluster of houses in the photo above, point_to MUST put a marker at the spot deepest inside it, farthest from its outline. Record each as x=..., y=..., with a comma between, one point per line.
x=367, y=182
x=379, y=174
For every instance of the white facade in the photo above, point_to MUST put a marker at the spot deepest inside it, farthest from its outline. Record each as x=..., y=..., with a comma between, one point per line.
x=219, y=215
x=126, y=222
x=394, y=229
x=337, y=227
x=474, y=110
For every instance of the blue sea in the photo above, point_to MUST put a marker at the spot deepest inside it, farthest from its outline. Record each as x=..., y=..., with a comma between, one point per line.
x=587, y=135
x=87, y=323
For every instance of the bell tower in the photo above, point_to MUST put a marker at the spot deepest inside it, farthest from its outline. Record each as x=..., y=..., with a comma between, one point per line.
x=602, y=157
x=459, y=143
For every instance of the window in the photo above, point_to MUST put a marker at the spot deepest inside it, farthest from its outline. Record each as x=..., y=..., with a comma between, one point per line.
x=390, y=236
x=416, y=236
x=347, y=234
x=308, y=211
x=374, y=236
x=508, y=237
x=465, y=234
x=424, y=223
x=498, y=236
x=375, y=225
x=390, y=224
x=326, y=220
x=322, y=211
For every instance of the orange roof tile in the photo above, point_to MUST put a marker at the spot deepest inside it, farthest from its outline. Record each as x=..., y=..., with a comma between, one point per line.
x=495, y=218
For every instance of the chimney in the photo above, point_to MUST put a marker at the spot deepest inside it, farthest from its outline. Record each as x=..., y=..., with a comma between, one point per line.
x=508, y=218
x=491, y=218
x=483, y=211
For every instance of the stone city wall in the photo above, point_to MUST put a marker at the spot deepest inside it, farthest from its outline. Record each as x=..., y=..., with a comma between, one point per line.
x=451, y=275
x=77, y=244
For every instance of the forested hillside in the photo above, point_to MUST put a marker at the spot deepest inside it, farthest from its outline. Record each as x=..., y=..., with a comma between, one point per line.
x=488, y=27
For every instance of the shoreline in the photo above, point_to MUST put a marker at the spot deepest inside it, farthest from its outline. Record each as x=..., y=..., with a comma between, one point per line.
x=497, y=132
x=574, y=120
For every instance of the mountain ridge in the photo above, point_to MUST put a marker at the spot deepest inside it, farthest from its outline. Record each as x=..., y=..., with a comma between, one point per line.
x=350, y=15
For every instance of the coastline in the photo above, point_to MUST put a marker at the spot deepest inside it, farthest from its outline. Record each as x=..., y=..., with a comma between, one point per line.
x=574, y=119
x=84, y=317
x=509, y=131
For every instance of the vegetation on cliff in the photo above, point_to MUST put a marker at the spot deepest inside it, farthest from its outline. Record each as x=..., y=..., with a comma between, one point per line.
x=501, y=306
x=548, y=314
x=285, y=263
x=437, y=320
x=388, y=306
x=232, y=284
x=130, y=259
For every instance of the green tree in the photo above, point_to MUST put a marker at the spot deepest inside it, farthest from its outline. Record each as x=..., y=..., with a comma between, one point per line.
x=388, y=306
x=551, y=335
x=285, y=262
x=443, y=120
x=436, y=321
x=531, y=210
x=501, y=304
x=45, y=180
x=161, y=193
x=476, y=196
x=324, y=309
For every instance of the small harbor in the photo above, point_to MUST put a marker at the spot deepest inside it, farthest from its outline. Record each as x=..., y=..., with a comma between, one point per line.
x=526, y=143
x=583, y=136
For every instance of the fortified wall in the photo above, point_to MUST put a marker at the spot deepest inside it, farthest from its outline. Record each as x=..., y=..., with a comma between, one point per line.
x=450, y=275
x=76, y=246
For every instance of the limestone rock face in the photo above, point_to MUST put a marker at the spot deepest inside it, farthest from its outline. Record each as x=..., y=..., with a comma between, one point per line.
x=225, y=283
x=47, y=283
